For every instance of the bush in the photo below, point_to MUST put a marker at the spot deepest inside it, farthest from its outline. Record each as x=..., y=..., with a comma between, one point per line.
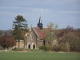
x=45, y=48
x=1, y=48
x=59, y=48
x=7, y=42
x=17, y=49
x=63, y=48
x=56, y=48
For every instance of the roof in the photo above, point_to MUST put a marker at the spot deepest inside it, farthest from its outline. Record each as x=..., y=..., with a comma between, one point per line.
x=40, y=33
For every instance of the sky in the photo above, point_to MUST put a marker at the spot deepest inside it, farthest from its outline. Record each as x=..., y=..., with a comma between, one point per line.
x=61, y=12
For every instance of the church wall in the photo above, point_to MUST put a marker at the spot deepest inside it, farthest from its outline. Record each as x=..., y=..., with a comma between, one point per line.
x=31, y=40
x=40, y=43
x=21, y=44
x=34, y=36
x=37, y=40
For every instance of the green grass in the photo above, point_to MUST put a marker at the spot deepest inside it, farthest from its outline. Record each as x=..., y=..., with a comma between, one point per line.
x=38, y=56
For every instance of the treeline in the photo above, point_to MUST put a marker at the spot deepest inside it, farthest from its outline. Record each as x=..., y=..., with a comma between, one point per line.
x=5, y=32
x=68, y=40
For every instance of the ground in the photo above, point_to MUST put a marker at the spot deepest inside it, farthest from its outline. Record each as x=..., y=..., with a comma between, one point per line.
x=39, y=56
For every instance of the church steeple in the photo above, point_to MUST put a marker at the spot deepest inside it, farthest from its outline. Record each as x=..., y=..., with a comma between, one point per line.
x=40, y=19
x=40, y=25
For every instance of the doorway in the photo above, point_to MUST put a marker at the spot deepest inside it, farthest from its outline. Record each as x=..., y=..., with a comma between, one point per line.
x=29, y=46
x=33, y=46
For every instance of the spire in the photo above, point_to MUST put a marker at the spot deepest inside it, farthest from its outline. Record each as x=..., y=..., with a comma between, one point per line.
x=40, y=25
x=40, y=20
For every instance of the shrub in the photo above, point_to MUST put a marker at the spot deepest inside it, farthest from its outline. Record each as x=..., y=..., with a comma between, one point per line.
x=45, y=48
x=63, y=48
x=1, y=48
x=59, y=48
x=55, y=48
x=17, y=49
x=7, y=41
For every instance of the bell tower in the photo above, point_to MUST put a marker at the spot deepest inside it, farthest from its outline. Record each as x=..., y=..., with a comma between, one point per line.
x=40, y=24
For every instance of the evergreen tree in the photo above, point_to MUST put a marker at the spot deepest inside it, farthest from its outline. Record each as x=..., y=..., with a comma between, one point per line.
x=20, y=27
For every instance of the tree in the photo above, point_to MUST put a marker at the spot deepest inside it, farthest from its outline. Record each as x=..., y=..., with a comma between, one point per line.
x=50, y=26
x=20, y=27
x=64, y=31
x=68, y=29
x=73, y=40
x=7, y=42
x=51, y=35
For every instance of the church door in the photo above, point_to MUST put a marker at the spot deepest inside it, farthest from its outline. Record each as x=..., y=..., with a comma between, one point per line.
x=29, y=46
x=33, y=46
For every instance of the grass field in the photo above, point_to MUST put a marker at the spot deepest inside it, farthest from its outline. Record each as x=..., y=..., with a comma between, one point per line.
x=38, y=56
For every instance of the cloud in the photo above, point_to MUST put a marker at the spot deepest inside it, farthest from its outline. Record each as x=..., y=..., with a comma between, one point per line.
x=41, y=10
x=69, y=12
x=61, y=1
x=72, y=0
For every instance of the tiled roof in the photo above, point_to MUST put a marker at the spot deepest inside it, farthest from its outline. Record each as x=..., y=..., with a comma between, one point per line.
x=41, y=33
x=45, y=31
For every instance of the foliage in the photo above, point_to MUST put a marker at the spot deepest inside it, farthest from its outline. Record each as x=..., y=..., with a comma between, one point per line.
x=7, y=42
x=73, y=40
x=59, y=48
x=1, y=48
x=19, y=25
x=45, y=48
x=63, y=48
x=68, y=29
x=20, y=28
x=5, y=32
x=70, y=38
x=55, y=48
x=61, y=32
x=17, y=49
x=50, y=36
x=51, y=26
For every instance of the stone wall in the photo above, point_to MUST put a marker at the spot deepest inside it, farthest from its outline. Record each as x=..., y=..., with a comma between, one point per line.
x=21, y=44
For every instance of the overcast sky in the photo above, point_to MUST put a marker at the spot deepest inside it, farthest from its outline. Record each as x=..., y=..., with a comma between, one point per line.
x=62, y=12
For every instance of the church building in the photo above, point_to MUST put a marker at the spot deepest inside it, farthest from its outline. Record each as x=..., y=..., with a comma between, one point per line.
x=35, y=37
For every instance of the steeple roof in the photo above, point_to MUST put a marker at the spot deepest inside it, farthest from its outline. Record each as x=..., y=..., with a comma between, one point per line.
x=40, y=25
x=40, y=20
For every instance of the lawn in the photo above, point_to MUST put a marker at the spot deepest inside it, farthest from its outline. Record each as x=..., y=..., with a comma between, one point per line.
x=38, y=56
